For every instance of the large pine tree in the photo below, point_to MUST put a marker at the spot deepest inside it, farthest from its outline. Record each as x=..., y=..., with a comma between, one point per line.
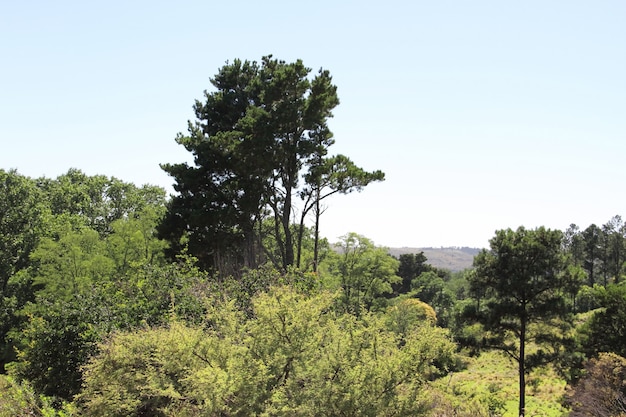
x=521, y=287
x=258, y=141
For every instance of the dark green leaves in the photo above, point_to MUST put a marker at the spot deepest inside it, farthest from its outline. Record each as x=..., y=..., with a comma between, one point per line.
x=259, y=140
x=520, y=287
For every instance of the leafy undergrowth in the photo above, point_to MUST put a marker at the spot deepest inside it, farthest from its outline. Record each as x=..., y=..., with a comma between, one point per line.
x=17, y=399
x=490, y=385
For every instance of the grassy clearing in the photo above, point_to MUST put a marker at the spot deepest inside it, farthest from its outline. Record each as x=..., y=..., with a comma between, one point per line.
x=490, y=382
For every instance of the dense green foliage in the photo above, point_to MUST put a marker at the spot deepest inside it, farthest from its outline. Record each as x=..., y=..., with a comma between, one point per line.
x=520, y=286
x=601, y=251
x=257, y=137
x=223, y=300
x=606, y=329
x=295, y=356
x=602, y=390
x=102, y=323
x=18, y=399
x=363, y=271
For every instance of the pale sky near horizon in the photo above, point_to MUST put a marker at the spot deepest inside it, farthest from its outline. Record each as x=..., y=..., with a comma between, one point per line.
x=484, y=115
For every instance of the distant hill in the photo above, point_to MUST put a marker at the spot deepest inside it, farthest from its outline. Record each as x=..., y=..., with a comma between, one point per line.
x=454, y=259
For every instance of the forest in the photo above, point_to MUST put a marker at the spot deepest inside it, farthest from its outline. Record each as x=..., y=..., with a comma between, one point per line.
x=224, y=300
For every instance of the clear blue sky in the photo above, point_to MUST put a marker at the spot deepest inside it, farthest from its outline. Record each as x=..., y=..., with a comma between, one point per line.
x=484, y=114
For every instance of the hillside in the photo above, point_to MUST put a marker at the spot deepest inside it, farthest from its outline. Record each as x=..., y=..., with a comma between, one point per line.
x=453, y=258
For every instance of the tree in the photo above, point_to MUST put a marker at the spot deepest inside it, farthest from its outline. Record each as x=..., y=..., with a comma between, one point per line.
x=250, y=140
x=405, y=314
x=56, y=342
x=73, y=264
x=22, y=219
x=364, y=272
x=61, y=333
x=592, y=236
x=602, y=390
x=254, y=139
x=98, y=200
x=328, y=176
x=606, y=329
x=614, y=250
x=430, y=288
x=133, y=244
x=21, y=223
x=85, y=285
x=52, y=238
x=411, y=266
x=573, y=243
x=520, y=286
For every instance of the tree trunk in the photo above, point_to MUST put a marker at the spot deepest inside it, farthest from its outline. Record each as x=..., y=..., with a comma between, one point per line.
x=522, y=366
x=305, y=210
x=285, y=218
x=289, y=255
x=317, y=231
x=279, y=240
x=299, y=241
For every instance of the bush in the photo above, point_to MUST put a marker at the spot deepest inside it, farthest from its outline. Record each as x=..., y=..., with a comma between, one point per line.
x=19, y=400
x=602, y=390
x=295, y=355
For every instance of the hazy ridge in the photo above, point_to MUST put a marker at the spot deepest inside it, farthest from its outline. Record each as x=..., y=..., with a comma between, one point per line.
x=452, y=258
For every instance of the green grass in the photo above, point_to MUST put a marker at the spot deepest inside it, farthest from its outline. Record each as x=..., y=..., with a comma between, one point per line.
x=491, y=382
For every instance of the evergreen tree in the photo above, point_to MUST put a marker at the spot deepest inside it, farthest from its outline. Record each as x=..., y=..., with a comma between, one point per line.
x=260, y=139
x=521, y=285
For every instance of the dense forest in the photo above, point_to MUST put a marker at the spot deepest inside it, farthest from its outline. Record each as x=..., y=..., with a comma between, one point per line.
x=223, y=299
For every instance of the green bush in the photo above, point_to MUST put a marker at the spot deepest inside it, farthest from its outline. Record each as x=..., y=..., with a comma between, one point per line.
x=294, y=356
x=19, y=400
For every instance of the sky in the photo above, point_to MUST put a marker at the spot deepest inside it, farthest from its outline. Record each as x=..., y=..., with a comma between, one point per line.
x=484, y=115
